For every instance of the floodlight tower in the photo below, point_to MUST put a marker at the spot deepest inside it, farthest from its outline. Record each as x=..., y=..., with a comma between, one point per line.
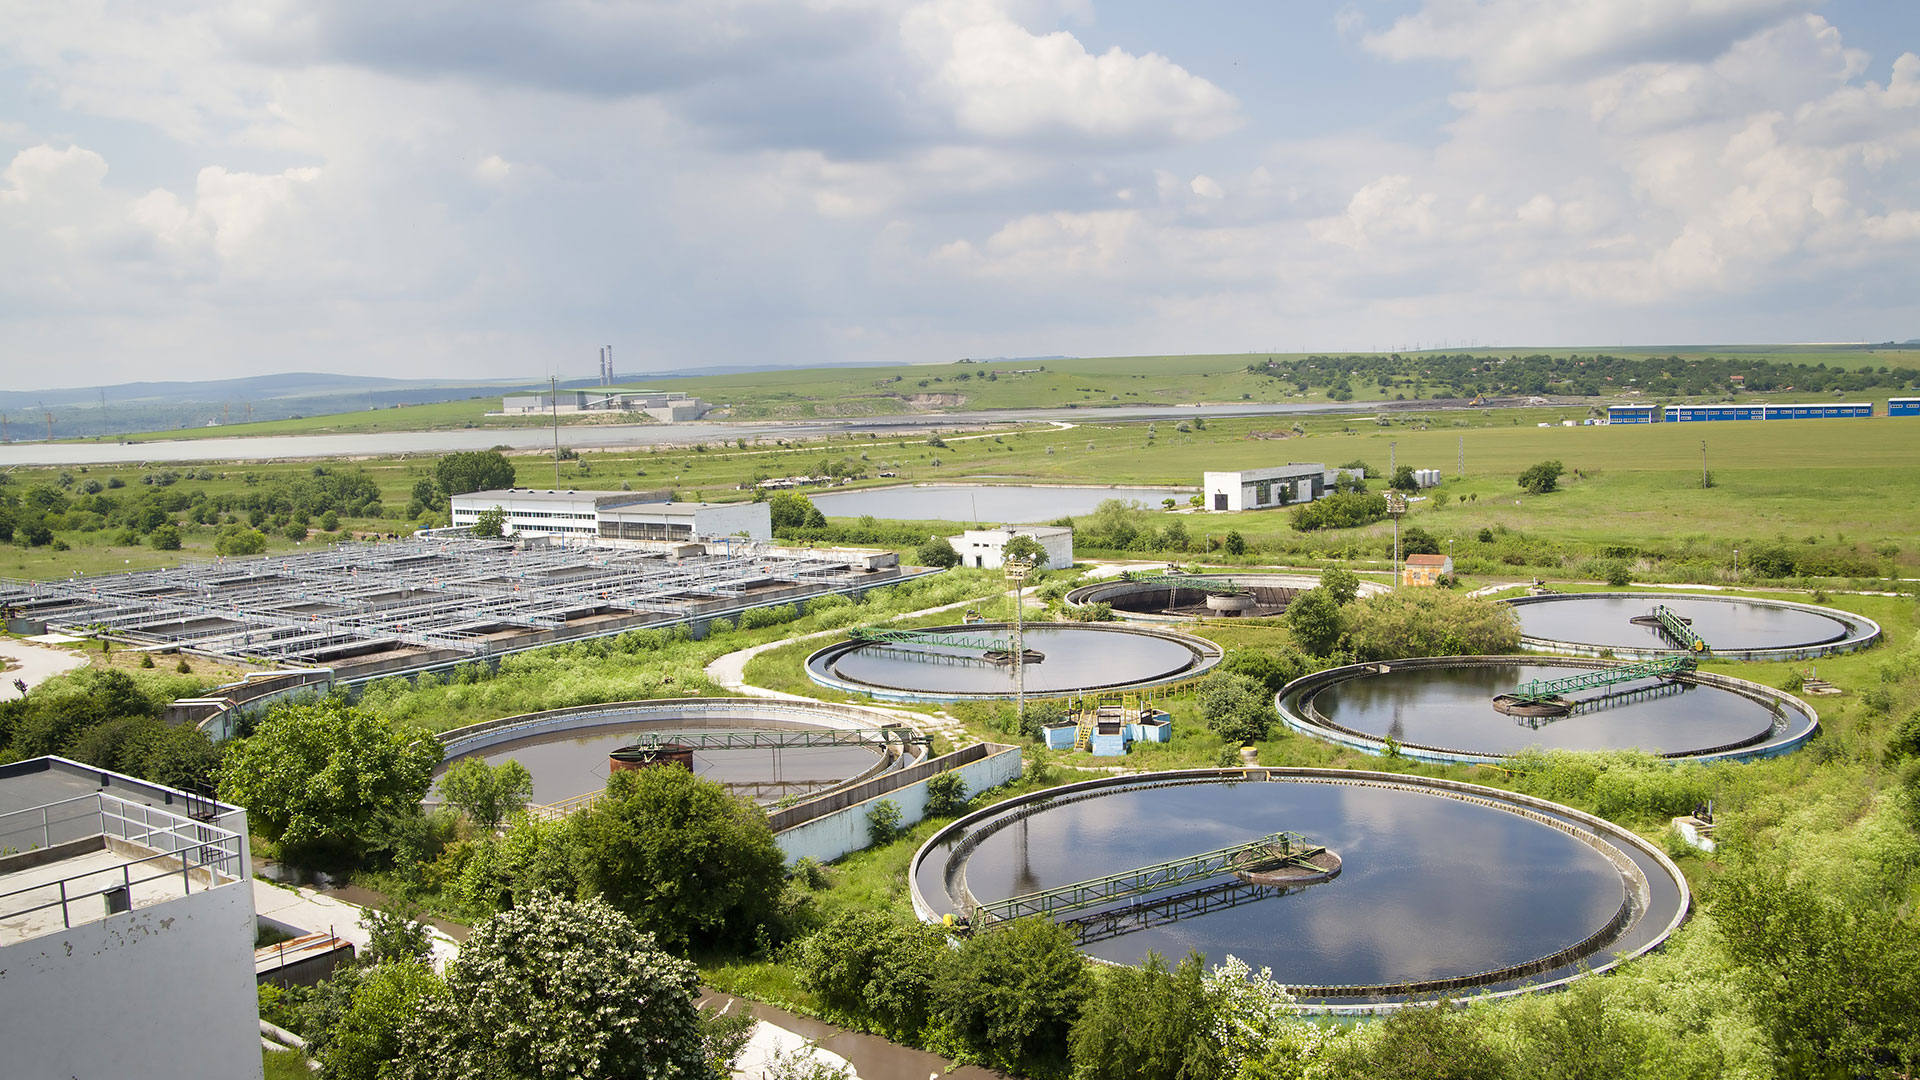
x=1017, y=570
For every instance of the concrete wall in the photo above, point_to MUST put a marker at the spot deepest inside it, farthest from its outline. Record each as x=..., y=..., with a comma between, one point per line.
x=842, y=829
x=163, y=993
x=753, y=519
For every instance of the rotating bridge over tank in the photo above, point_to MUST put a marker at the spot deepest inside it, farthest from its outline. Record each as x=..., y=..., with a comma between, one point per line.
x=1444, y=887
x=1643, y=626
x=1151, y=597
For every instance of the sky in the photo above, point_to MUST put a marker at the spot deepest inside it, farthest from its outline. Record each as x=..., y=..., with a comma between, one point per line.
x=472, y=188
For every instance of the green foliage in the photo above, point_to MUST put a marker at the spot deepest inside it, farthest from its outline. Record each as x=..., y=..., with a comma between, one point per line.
x=1235, y=543
x=235, y=540
x=1316, y=620
x=473, y=470
x=1616, y=784
x=1149, y=1023
x=792, y=510
x=1026, y=548
x=1415, y=540
x=164, y=538
x=1271, y=668
x=1239, y=709
x=1542, y=478
x=557, y=988
x=1617, y=573
x=1403, y=479
x=353, y=1025
x=1012, y=995
x=108, y=718
x=317, y=778
x=1340, y=583
x=946, y=794
x=686, y=860
x=883, y=822
x=1429, y=622
x=873, y=970
x=395, y=933
x=1340, y=510
x=491, y=522
x=487, y=794
x=1425, y=1042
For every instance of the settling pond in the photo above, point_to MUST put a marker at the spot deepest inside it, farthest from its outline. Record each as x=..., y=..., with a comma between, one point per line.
x=1073, y=659
x=1734, y=627
x=1442, y=709
x=992, y=503
x=1444, y=888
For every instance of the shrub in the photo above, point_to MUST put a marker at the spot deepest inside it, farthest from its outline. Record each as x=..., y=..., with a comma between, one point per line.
x=1239, y=709
x=165, y=538
x=937, y=551
x=883, y=822
x=946, y=795
x=1542, y=478
x=1428, y=622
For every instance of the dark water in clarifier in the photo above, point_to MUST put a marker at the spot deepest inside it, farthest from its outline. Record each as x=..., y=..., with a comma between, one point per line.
x=568, y=764
x=1452, y=709
x=1077, y=658
x=990, y=503
x=1431, y=887
x=1606, y=621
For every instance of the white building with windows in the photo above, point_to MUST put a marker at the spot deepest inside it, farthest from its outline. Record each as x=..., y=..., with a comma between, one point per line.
x=531, y=512
x=1265, y=489
x=686, y=521
x=126, y=929
x=987, y=547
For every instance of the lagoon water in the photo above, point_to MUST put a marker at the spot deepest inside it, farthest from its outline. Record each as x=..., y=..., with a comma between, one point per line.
x=1726, y=623
x=993, y=504
x=1077, y=659
x=1431, y=887
x=569, y=764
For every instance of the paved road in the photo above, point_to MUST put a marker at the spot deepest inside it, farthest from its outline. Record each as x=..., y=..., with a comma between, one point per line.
x=34, y=663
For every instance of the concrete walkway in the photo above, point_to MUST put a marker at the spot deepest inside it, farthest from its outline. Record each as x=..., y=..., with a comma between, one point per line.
x=35, y=664
x=316, y=912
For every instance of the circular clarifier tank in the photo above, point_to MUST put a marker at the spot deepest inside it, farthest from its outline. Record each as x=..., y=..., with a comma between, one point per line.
x=569, y=752
x=946, y=663
x=1460, y=709
x=1442, y=887
x=1733, y=627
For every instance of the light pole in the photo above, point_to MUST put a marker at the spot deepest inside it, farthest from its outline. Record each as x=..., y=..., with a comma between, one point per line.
x=1703, y=464
x=1016, y=570
x=1736, y=564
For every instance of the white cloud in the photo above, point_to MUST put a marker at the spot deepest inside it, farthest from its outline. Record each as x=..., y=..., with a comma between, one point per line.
x=1003, y=81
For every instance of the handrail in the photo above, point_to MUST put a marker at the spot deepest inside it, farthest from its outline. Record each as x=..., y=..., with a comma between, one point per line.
x=197, y=845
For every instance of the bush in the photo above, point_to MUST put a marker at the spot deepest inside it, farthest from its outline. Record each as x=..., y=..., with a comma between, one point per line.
x=883, y=822
x=1239, y=709
x=239, y=540
x=1013, y=995
x=165, y=538
x=1316, y=621
x=1428, y=622
x=946, y=795
x=937, y=551
x=1542, y=478
x=1341, y=510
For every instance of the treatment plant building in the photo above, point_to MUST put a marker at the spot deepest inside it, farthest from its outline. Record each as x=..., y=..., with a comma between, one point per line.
x=1264, y=489
x=613, y=515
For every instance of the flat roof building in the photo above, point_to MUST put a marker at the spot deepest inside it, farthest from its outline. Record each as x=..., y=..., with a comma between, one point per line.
x=532, y=512
x=987, y=547
x=686, y=521
x=126, y=928
x=1265, y=489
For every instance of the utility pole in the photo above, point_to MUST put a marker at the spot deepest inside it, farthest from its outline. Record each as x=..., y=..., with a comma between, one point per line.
x=553, y=394
x=1017, y=569
x=1703, y=464
x=1460, y=466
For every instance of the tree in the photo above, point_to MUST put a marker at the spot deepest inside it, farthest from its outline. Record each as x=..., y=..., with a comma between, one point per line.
x=165, y=538
x=558, y=988
x=883, y=822
x=353, y=1020
x=1421, y=1042
x=870, y=966
x=1429, y=622
x=315, y=778
x=1542, y=478
x=937, y=551
x=472, y=470
x=1148, y=1023
x=1237, y=707
x=1013, y=994
x=239, y=540
x=1341, y=584
x=1415, y=540
x=490, y=523
x=1236, y=544
x=1316, y=621
x=1272, y=668
x=1403, y=479
x=1025, y=548
x=487, y=794
x=682, y=856
x=791, y=510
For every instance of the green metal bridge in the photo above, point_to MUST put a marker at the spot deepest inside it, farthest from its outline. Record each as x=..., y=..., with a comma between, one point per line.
x=880, y=635
x=779, y=740
x=1189, y=581
x=1541, y=691
x=1267, y=853
x=1679, y=630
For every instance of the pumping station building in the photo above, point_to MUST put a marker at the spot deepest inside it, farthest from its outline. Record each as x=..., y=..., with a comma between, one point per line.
x=1265, y=489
